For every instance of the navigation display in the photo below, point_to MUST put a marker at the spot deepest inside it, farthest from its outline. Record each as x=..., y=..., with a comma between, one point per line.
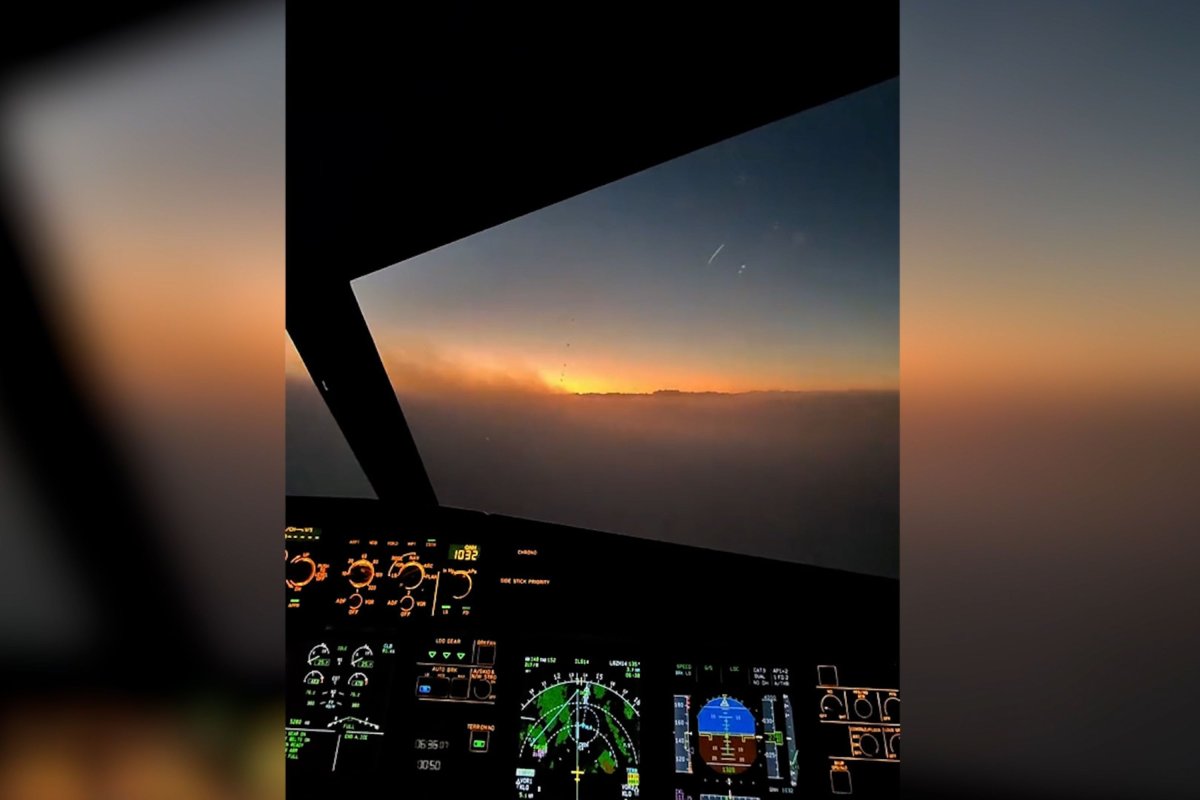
x=579, y=729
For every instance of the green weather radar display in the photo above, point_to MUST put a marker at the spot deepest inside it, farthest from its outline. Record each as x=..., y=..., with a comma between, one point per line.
x=579, y=729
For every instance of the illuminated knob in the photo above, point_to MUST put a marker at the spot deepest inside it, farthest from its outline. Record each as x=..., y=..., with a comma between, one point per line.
x=864, y=708
x=411, y=574
x=407, y=602
x=355, y=601
x=894, y=744
x=466, y=583
x=481, y=689
x=360, y=573
x=831, y=705
x=869, y=745
x=301, y=570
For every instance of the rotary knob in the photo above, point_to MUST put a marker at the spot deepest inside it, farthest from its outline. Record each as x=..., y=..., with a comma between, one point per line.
x=864, y=708
x=465, y=583
x=831, y=705
x=360, y=573
x=300, y=571
x=891, y=707
x=410, y=573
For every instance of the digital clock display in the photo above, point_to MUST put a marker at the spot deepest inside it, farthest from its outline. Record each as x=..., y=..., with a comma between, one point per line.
x=464, y=552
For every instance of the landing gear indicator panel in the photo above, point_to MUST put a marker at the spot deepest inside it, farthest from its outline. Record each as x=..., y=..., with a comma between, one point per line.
x=579, y=729
x=735, y=732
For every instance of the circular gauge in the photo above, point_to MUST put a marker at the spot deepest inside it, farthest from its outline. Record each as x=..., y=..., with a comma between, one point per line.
x=301, y=570
x=360, y=572
x=314, y=678
x=864, y=708
x=318, y=653
x=357, y=680
x=831, y=705
x=361, y=654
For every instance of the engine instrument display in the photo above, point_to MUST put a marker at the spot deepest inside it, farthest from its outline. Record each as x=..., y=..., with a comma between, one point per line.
x=336, y=702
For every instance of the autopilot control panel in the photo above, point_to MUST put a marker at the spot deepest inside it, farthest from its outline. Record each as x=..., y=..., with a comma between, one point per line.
x=461, y=654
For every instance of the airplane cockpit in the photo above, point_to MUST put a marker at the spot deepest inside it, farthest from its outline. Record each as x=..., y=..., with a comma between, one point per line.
x=593, y=460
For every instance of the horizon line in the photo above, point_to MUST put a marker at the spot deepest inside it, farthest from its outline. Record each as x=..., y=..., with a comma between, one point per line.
x=686, y=392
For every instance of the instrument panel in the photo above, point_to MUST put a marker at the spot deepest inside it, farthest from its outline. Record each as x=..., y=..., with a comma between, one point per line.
x=466, y=655
x=381, y=579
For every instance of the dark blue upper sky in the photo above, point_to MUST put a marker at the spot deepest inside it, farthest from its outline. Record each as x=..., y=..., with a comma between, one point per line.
x=768, y=261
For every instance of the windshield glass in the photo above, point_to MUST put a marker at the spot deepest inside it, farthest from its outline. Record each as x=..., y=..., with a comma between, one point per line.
x=705, y=352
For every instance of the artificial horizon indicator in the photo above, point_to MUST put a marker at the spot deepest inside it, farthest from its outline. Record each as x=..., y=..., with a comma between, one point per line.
x=735, y=731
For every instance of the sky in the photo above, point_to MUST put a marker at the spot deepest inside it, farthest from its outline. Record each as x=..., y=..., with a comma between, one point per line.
x=768, y=261
x=758, y=277
x=1049, y=196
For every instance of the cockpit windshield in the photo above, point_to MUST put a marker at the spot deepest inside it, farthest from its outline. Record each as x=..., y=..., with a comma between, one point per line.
x=705, y=352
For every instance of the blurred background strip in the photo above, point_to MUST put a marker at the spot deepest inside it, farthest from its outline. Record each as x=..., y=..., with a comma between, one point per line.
x=141, y=413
